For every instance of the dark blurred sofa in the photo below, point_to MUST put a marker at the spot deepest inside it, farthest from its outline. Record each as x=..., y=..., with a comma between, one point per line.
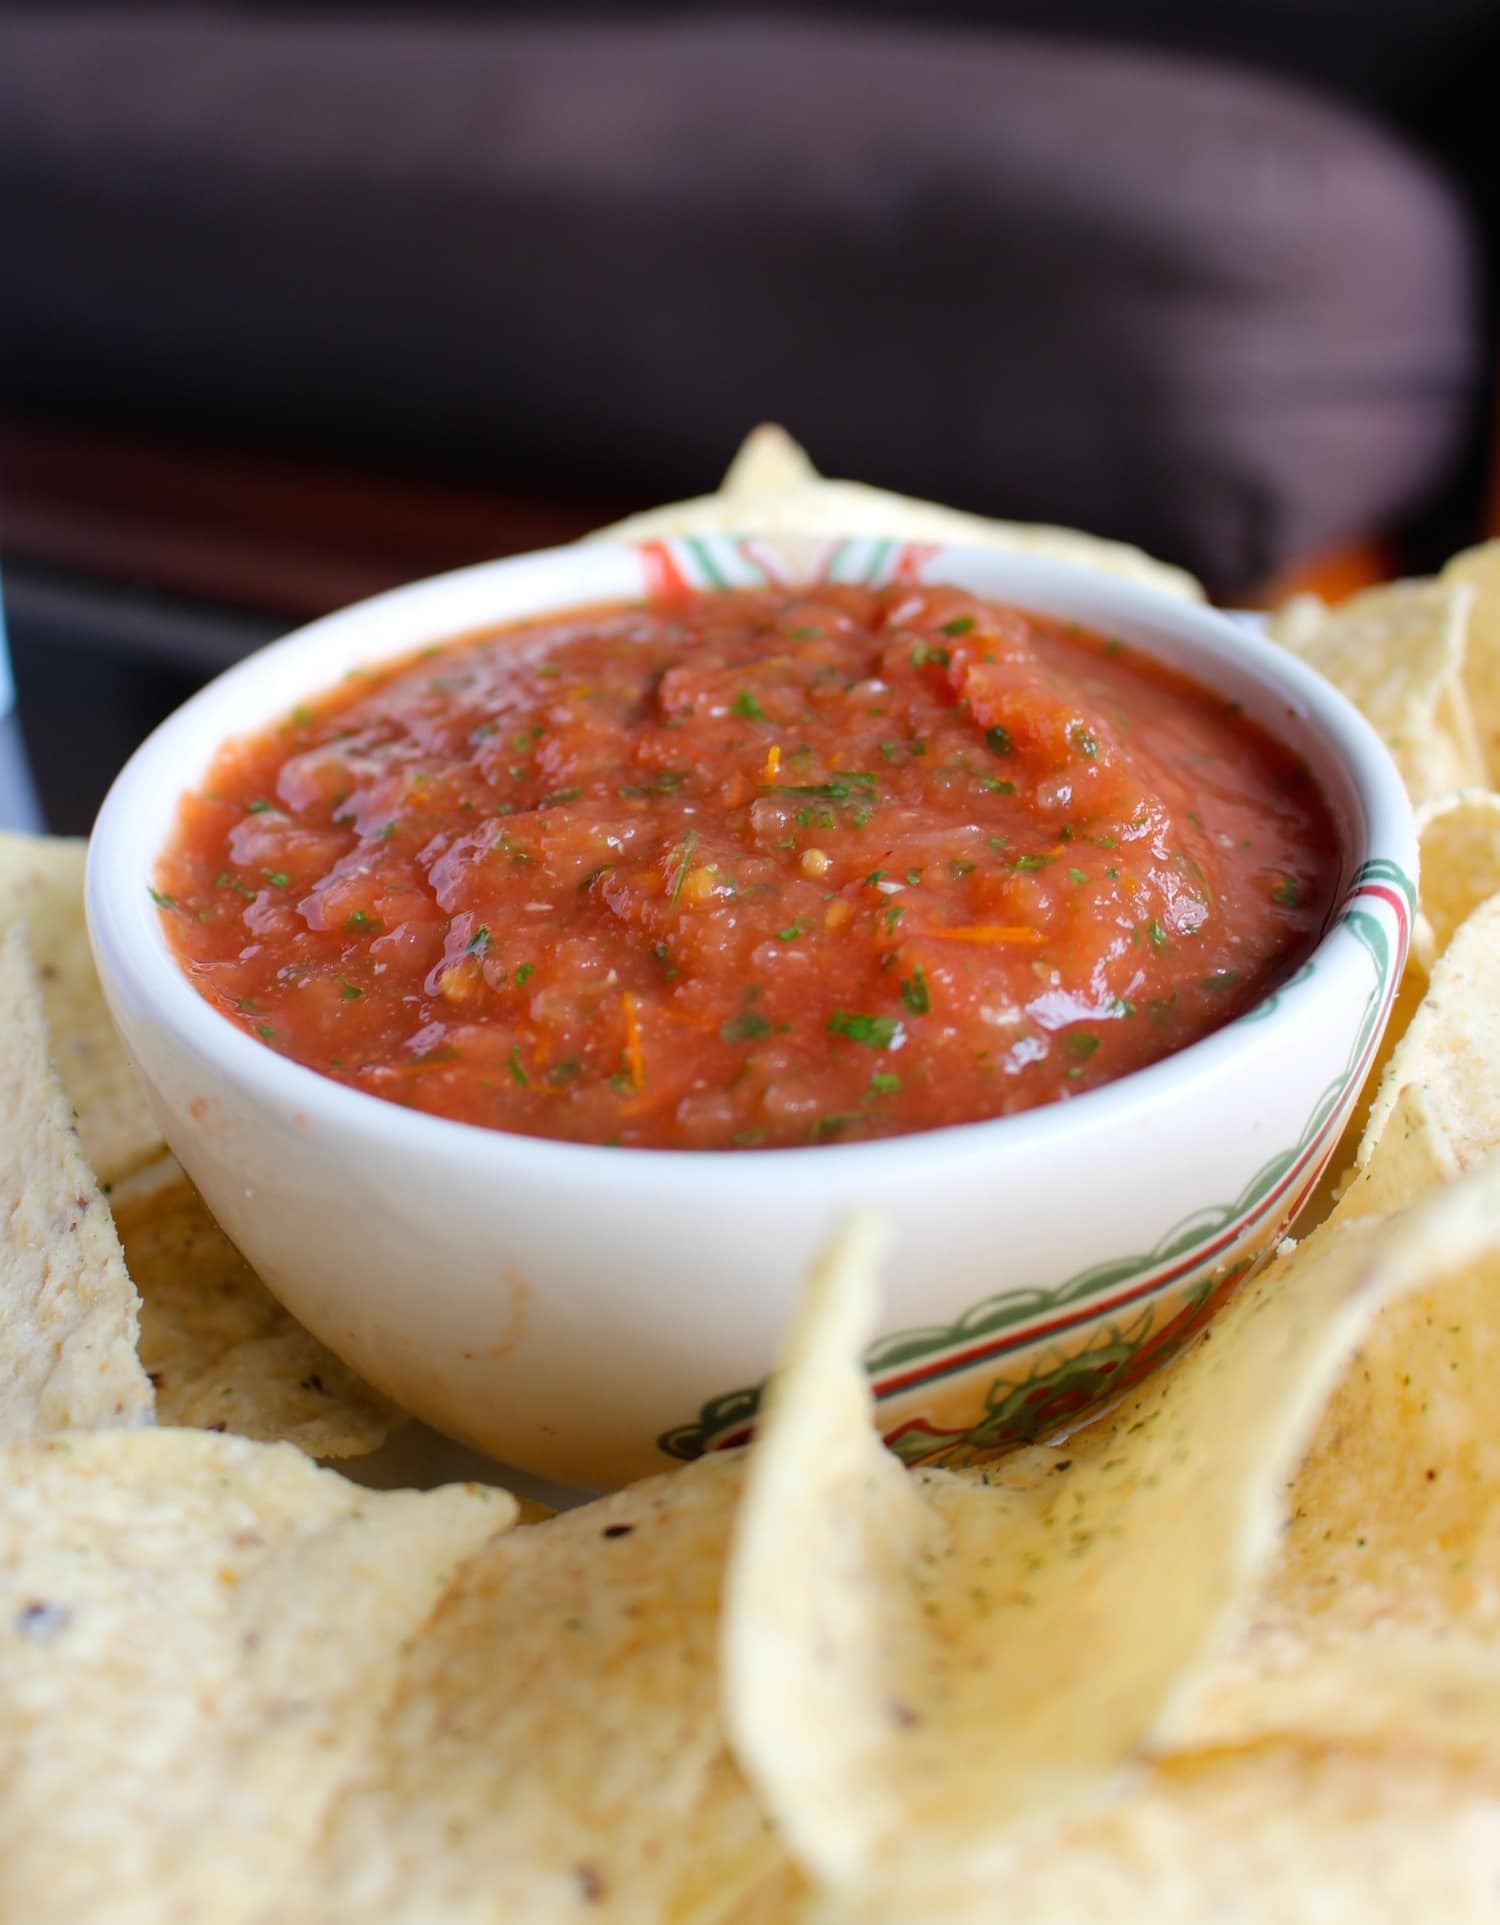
x=1213, y=280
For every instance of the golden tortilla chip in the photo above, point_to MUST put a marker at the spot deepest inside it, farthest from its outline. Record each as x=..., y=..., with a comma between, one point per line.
x=67, y=1307
x=1452, y=1045
x=773, y=489
x=41, y=883
x=197, y=1637
x=1479, y=570
x=555, y=1748
x=219, y=1348
x=907, y=1691
x=1279, y=1834
x=1397, y=652
x=1381, y=1615
x=1343, y=1166
x=1409, y=1156
x=1460, y=841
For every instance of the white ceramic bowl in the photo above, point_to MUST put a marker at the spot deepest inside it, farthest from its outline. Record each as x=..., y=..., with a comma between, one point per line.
x=591, y=1313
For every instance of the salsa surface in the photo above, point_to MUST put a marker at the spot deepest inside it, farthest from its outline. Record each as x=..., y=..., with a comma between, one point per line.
x=749, y=868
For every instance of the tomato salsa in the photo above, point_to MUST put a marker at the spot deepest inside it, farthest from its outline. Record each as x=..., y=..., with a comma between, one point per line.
x=749, y=868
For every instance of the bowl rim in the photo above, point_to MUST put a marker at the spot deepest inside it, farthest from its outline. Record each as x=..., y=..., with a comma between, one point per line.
x=130, y=946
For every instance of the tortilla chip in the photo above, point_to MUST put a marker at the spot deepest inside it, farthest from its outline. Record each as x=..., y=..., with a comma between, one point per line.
x=768, y=463
x=41, y=883
x=219, y=1348
x=823, y=1641
x=1452, y=1046
x=1382, y=1612
x=1409, y=1157
x=1343, y=1166
x=1460, y=841
x=1287, y=1834
x=555, y=1747
x=773, y=489
x=197, y=1636
x=68, y=1309
x=1397, y=652
x=1479, y=570
x=906, y=1692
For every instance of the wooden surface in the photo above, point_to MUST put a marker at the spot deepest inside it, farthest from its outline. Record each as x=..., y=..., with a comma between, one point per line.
x=252, y=531
x=294, y=538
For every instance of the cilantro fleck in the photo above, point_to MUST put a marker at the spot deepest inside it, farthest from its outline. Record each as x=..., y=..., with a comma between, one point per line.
x=360, y=921
x=885, y=1082
x=804, y=634
x=875, y=875
x=960, y=867
x=256, y=808
x=558, y=797
x=891, y=751
x=893, y=915
x=1030, y=863
x=1081, y=1044
x=1085, y=743
x=278, y=878
x=680, y=864
x=524, y=973
x=790, y=934
x=748, y=1027
x=517, y=1073
x=1157, y=934
x=479, y=942
x=1077, y=875
x=914, y=992
x=960, y=625
x=923, y=653
x=389, y=830
x=747, y=708
x=161, y=901
x=265, y=1030
x=999, y=741
x=833, y=1122
x=914, y=876
x=845, y=782
x=875, y=1032
x=995, y=786
x=302, y=716
x=1288, y=893
x=351, y=992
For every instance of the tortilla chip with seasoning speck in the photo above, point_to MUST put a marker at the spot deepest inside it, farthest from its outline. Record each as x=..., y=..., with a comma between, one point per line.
x=68, y=1310
x=1409, y=1157
x=1460, y=843
x=221, y=1351
x=555, y=1749
x=41, y=883
x=1452, y=1045
x=197, y=1637
x=1381, y=1613
x=909, y=1704
x=773, y=489
x=1397, y=652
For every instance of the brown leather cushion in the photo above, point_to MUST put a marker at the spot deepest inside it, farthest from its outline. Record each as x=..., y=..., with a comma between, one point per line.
x=1056, y=280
